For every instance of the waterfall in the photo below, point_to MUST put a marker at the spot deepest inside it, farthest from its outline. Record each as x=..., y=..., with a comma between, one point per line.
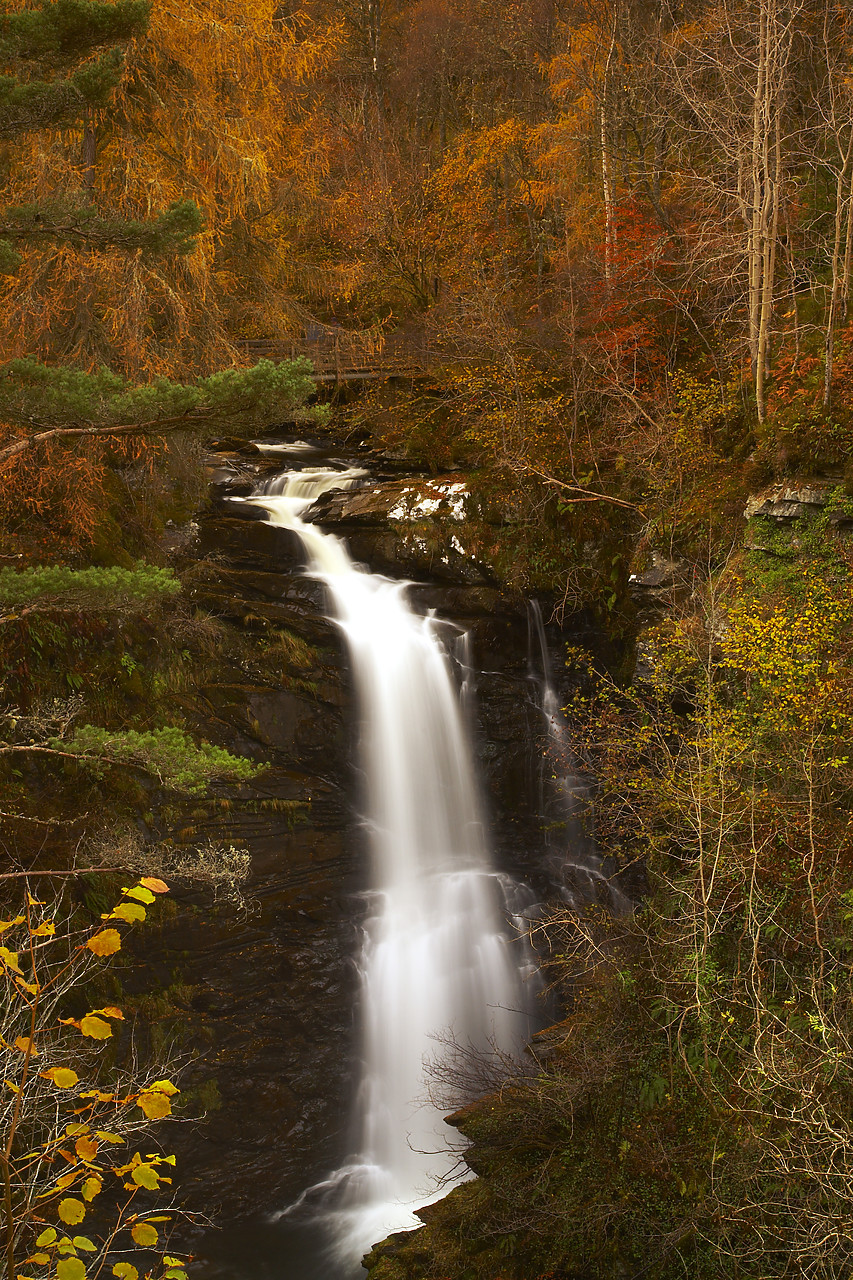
x=437, y=968
x=566, y=797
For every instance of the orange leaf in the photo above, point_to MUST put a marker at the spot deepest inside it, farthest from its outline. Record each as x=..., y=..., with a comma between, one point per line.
x=155, y=885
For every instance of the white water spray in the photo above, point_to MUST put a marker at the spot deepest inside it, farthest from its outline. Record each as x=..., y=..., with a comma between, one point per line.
x=436, y=964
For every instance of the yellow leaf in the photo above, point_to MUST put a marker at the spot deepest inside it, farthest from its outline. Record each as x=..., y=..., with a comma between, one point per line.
x=11, y=1085
x=125, y=1271
x=62, y=1077
x=91, y=1187
x=10, y=959
x=39, y=1259
x=155, y=885
x=75, y=1128
x=66, y=1180
x=106, y=1136
x=139, y=893
x=46, y=930
x=129, y=911
x=25, y=1045
x=144, y=1176
x=70, y=1269
x=164, y=1086
x=156, y=1105
x=96, y=1028
x=110, y=1011
x=105, y=943
x=10, y=924
x=86, y=1148
x=71, y=1210
x=47, y=1236
x=144, y=1234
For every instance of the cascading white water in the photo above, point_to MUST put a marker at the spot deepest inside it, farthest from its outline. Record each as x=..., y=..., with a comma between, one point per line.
x=436, y=964
x=566, y=798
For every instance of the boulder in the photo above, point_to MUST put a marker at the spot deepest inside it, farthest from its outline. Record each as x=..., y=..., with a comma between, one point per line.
x=392, y=500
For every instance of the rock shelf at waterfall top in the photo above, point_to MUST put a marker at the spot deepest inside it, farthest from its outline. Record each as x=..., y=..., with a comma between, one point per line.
x=392, y=500
x=412, y=527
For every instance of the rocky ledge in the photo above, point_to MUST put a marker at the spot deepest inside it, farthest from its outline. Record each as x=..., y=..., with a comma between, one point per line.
x=793, y=500
x=411, y=528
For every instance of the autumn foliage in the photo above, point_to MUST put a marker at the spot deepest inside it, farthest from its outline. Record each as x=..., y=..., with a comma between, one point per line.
x=67, y=1133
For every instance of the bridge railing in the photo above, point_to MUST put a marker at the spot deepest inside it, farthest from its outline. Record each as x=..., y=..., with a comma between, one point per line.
x=345, y=354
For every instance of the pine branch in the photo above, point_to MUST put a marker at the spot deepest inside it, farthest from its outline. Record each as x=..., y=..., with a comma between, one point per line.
x=68, y=29
x=173, y=231
x=62, y=403
x=157, y=426
x=29, y=105
x=170, y=755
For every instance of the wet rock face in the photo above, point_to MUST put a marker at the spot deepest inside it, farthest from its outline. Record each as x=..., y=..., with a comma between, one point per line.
x=262, y=1000
x=267, y=1002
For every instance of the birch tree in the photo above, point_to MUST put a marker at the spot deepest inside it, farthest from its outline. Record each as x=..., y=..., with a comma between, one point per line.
x=730, y=76
x=833, y=104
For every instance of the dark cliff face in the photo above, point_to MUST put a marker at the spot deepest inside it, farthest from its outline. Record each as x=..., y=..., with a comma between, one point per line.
x=265, y=1000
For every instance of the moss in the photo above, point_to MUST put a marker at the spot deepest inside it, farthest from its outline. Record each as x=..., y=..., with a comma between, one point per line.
x=199, y=1099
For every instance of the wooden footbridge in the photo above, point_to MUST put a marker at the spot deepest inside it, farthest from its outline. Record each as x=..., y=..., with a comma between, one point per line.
x=342, y=355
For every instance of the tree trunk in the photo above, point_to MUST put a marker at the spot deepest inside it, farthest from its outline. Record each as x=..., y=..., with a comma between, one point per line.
x=757, y=193
x=838, y=281
x=768, y=266
x=766, y=176
x=606, y=168
x=88, y=155
x=848, y=255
